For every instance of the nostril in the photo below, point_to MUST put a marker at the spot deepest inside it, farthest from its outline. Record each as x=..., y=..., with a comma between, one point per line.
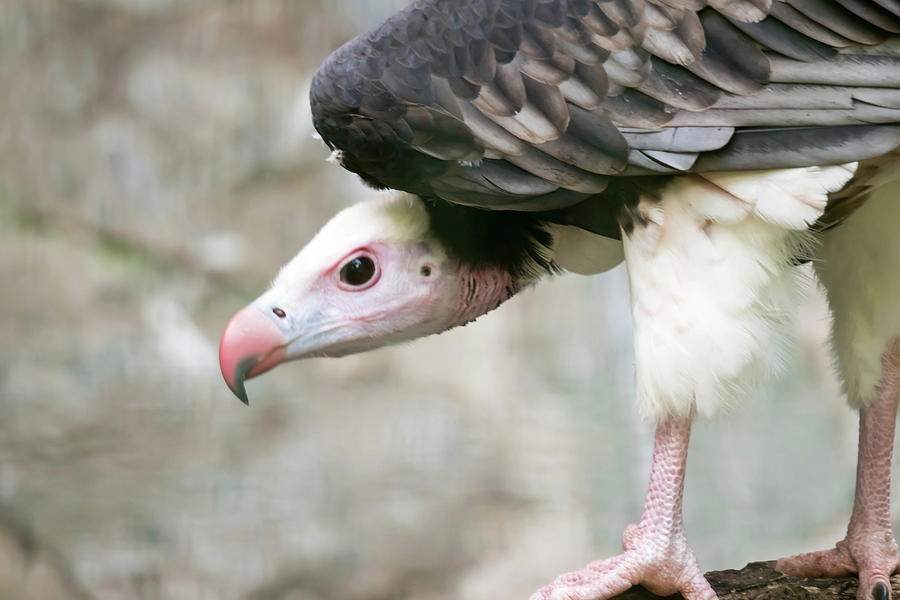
x=279, y=313
x=425, y=270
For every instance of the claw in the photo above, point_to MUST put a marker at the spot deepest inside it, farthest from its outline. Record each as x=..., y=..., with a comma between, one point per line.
x=881, y=591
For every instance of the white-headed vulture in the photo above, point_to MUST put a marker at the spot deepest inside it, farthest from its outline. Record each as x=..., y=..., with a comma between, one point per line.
x=714, y=145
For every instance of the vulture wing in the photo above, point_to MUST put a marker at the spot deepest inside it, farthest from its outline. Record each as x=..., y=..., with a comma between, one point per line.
x=535, y=105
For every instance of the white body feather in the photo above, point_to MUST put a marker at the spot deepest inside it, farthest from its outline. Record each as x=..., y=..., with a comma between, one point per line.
x=859, y=265
x=712, y=281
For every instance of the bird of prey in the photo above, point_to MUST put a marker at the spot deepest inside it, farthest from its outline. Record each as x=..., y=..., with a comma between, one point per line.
x=713, y=145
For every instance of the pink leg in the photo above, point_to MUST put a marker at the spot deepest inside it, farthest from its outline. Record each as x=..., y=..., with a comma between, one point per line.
x=869, y=548
x=656, y=554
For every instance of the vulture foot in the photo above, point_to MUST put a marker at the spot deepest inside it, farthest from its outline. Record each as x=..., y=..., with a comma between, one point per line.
x=656, y=554
x=872, y=556
x=652, y=559
x=869, y=549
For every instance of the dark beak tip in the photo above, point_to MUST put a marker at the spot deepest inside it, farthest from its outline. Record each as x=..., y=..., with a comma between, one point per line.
x=251, y=344
x=238, y=389
x=242, y=395
x=240, y=374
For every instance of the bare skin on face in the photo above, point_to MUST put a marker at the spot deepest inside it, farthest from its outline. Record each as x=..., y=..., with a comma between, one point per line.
x=370, y=278
x=481, y=290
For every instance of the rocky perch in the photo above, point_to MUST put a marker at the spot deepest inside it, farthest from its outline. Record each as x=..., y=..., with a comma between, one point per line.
x=760, y=581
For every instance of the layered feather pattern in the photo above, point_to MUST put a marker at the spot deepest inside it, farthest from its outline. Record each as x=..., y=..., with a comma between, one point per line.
x=535, y=104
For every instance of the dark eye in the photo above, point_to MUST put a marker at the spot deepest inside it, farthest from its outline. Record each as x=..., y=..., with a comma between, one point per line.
x=358, y=271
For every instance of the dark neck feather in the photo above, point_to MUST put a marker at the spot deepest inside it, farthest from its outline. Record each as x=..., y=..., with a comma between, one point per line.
x=515, y=241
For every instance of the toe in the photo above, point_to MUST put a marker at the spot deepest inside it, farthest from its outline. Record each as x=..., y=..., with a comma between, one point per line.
x=836, y=562
x=607, y=578
x=698, y=588
x=875, y=579
x=599, y=580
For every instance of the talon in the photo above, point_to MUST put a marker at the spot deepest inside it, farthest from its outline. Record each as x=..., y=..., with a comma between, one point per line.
x=881, y=591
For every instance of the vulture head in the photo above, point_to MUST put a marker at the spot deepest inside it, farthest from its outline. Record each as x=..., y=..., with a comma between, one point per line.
x=381, y=272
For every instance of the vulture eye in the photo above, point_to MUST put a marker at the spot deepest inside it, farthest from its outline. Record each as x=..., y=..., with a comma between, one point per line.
x=359, y=271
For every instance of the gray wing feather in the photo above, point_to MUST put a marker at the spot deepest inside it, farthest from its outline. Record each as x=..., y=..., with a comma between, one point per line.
x=683, y=139
x=641, y=164
x=889, y=98
x=802, y=24
x=678, y=87
x=680, y=161
x=773, y=149
x=871, y=12
x=892, y=6
x=799, y=96
x=779, y=37
x=831, y=15
x=842, y=70
x=743, y=10
x=532, y=104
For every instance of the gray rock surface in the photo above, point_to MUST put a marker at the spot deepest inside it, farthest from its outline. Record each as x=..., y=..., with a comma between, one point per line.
x=760, y=581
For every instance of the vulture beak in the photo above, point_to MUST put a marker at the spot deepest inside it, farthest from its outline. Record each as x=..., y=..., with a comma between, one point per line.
x=251, y=345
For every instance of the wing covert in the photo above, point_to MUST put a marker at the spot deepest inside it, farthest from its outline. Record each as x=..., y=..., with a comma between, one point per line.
x=534, y=105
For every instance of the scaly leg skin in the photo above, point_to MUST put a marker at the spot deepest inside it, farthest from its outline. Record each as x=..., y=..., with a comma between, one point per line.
x=656, y=554
x=869, y=549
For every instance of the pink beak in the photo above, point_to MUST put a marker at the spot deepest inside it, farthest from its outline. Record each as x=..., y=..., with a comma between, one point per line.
x=251, y=345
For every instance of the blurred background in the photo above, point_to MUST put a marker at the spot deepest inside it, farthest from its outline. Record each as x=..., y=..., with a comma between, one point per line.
x=157, y=166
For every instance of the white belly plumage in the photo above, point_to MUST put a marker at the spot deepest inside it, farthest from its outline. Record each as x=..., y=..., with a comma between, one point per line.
x=859, y=265
x=713, y=281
